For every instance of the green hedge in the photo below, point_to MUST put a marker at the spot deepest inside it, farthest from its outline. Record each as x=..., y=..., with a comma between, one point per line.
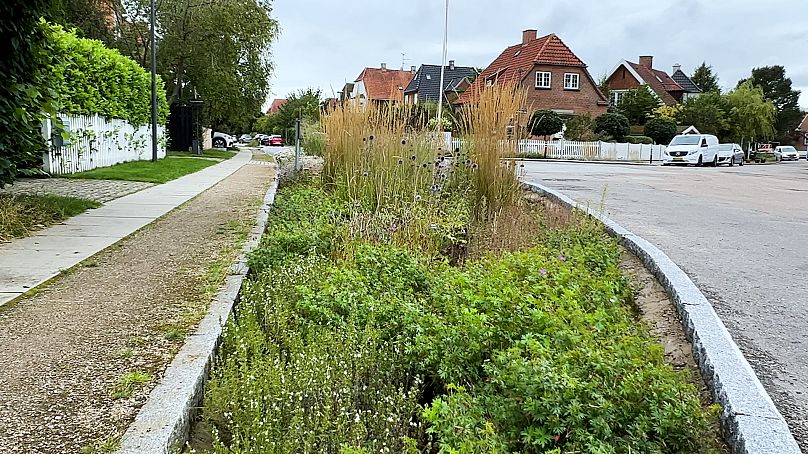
x=640, y=139
x=89, y=78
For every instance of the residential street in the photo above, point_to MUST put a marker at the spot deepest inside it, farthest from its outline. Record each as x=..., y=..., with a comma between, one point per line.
x=740, y=233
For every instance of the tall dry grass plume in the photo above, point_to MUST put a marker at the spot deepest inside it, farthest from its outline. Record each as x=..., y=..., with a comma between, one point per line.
x=484, y=127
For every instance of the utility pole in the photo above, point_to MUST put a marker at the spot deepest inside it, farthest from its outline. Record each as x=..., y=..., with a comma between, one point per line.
x=442, y=68
x=297, y=141
x=153, y=84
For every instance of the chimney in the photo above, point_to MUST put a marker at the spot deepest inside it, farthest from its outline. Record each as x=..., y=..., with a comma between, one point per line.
x=412, y=69
x=676, y=67
x=528, y=35
x=647, y=61
x=451, y=65
x=384, y=65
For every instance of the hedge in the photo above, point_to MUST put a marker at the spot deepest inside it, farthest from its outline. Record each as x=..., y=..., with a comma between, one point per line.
x=89, y=78
x=640, y=139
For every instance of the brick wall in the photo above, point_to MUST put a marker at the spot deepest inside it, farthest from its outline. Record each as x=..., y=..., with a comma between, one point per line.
x=622, y=80
x=583, y=100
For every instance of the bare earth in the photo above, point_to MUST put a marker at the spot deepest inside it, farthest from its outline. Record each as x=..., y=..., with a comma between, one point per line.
x=64, y=349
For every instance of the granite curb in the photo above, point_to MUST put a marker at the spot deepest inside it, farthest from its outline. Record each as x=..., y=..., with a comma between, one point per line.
x=750, y=421
x=163, y=423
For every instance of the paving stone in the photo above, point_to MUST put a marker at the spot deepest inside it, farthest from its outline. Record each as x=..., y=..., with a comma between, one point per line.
x=98, y=190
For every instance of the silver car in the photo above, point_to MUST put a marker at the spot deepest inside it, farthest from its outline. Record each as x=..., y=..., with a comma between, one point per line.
x=730, y=154
x=786, y=153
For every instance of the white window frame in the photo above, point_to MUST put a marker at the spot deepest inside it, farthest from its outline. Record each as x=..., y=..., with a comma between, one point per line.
x=546, y=76
x=615, y=96
x=569, y=78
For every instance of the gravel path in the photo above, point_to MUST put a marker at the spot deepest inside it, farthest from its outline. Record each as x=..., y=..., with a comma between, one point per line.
x=99, y=190
x=65, y=348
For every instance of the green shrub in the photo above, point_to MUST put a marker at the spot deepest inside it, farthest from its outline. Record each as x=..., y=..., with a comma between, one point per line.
x=640, y=139
x=613, y=125
x=545, y=123
x=94, y=79
x=661, y=130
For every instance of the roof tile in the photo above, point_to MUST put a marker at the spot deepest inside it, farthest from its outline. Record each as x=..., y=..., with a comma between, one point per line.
x=385, y=84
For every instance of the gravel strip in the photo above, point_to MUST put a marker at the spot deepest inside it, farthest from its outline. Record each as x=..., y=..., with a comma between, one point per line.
x=66, y=348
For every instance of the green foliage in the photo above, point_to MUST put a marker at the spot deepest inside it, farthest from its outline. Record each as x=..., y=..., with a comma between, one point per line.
x=25, y=60
x=638, y=105
x=163, y=170
x=303, y=104
x=96, y=80
x=545, y=123
x=613, y=125
x=640, y=139
x=704, y=78
x=339, y=340
x=777, y=88
x=580, y=127
x=660, y=130
x=22, y=214
x=707, y=112
x=752, y=117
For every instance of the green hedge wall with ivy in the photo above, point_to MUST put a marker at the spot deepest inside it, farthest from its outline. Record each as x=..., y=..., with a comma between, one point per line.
x=93, y=79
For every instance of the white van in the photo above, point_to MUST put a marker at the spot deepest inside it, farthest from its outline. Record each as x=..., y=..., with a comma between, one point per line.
x=697, y=149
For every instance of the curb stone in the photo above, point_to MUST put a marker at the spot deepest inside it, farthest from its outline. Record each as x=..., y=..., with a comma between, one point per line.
x=750, y=421
x=163, y=423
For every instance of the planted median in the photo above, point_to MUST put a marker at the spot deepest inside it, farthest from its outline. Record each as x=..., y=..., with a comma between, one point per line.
x=411, y=299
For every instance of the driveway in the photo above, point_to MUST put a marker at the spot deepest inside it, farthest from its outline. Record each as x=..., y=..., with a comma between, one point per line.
x=740, y=233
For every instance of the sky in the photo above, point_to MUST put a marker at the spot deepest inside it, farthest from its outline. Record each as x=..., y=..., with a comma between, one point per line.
x=325, y=43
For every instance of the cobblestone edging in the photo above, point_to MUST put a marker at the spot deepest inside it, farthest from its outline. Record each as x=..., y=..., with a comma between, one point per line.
x=751, y=422
x=164, y=421
x=98, y=190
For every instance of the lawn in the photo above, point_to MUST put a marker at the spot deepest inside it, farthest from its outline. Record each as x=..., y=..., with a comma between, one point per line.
x=400, y=303
x=209, y=153
x=20, y=215
x=164, y=170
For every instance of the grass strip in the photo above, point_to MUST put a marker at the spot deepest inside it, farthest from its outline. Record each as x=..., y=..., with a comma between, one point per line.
x=21, y=215
x=162, y=171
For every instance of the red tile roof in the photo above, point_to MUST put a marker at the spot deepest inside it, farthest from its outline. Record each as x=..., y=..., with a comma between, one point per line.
x=659, y=81
x=385, y=84
x=804, y=125
x=276, y=105
x=515, y=62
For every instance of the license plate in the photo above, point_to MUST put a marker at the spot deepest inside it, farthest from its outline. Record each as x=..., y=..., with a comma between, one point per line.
x=676, y=158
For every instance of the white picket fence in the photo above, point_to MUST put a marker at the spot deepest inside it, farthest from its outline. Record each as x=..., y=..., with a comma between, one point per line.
x=595, y=151
x=94, y=141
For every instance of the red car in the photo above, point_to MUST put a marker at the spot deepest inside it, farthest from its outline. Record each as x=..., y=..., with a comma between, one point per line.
x=273, y=141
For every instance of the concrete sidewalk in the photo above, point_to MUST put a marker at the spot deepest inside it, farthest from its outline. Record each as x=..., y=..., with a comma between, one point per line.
x=28, y=262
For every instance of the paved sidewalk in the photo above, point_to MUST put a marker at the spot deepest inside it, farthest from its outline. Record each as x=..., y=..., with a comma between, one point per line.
x=28, y=262
x=99, y=190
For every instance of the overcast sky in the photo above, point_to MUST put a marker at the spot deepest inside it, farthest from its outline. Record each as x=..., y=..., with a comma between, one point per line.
x=325, y=43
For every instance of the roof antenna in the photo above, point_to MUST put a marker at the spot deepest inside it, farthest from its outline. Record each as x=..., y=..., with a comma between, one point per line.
x=404, y=60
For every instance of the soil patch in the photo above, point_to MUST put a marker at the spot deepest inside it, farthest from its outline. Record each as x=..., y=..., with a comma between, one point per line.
x=76, y=354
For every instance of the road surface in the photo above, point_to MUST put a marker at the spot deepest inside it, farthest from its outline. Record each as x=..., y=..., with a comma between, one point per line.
x=740, y=233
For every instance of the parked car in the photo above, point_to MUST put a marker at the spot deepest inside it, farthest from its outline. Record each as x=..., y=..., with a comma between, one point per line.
x=222, y=140
x=730, y=153
x=245, y=138
x=276, y=141
x=696, y=149
x=786, y=153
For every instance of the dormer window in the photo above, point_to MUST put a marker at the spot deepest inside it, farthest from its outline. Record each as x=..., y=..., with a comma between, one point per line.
x=543, y=79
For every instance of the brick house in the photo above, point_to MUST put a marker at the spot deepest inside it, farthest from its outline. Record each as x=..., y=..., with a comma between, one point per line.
x=803, y=128
x=554, y=77
x=670, y=89
x=381, y=85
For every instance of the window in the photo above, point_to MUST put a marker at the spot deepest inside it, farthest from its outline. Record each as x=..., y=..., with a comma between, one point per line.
x=615, y=96
x=489, y=82
x=572, y=81
x=543, y=79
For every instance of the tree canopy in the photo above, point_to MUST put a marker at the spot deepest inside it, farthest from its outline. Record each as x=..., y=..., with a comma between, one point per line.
x=614, y=125
x=752, y=116
x=545, y=123
x=660, y=129
x=707, y=112
x=305, y=102
x=705, y=79
x=637, y=105
x=777, y=88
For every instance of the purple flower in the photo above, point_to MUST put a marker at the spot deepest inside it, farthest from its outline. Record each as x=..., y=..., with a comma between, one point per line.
x=562, y=258
x=543, y=272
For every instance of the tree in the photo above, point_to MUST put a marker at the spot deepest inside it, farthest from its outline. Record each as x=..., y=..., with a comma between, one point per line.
x=580, y=127
x=638, y=104
x=545, y=123
x=305, y=103
x=667, y=112
x=614, y=125
x=752, y=116
x=660, y=129
x=704, y=78
x=707, y=112
x=777, y=89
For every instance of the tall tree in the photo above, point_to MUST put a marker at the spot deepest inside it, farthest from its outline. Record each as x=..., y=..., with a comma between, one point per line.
x=705, y=79
x=638, y=105
x=707, y=112
x=304, y=103
x=752, y=116
x=777, y=89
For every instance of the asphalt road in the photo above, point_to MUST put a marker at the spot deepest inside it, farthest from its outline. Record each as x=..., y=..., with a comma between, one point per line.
x=740, y=233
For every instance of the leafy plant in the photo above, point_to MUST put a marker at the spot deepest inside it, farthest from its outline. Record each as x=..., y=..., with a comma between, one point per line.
x=614, y=125
x=638, y=105
x=129, y=382
x=660, y=130
x=545, y=123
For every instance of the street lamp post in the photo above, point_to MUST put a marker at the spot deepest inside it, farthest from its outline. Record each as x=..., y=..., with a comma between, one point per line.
x=442, y=68
x=153, y=84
